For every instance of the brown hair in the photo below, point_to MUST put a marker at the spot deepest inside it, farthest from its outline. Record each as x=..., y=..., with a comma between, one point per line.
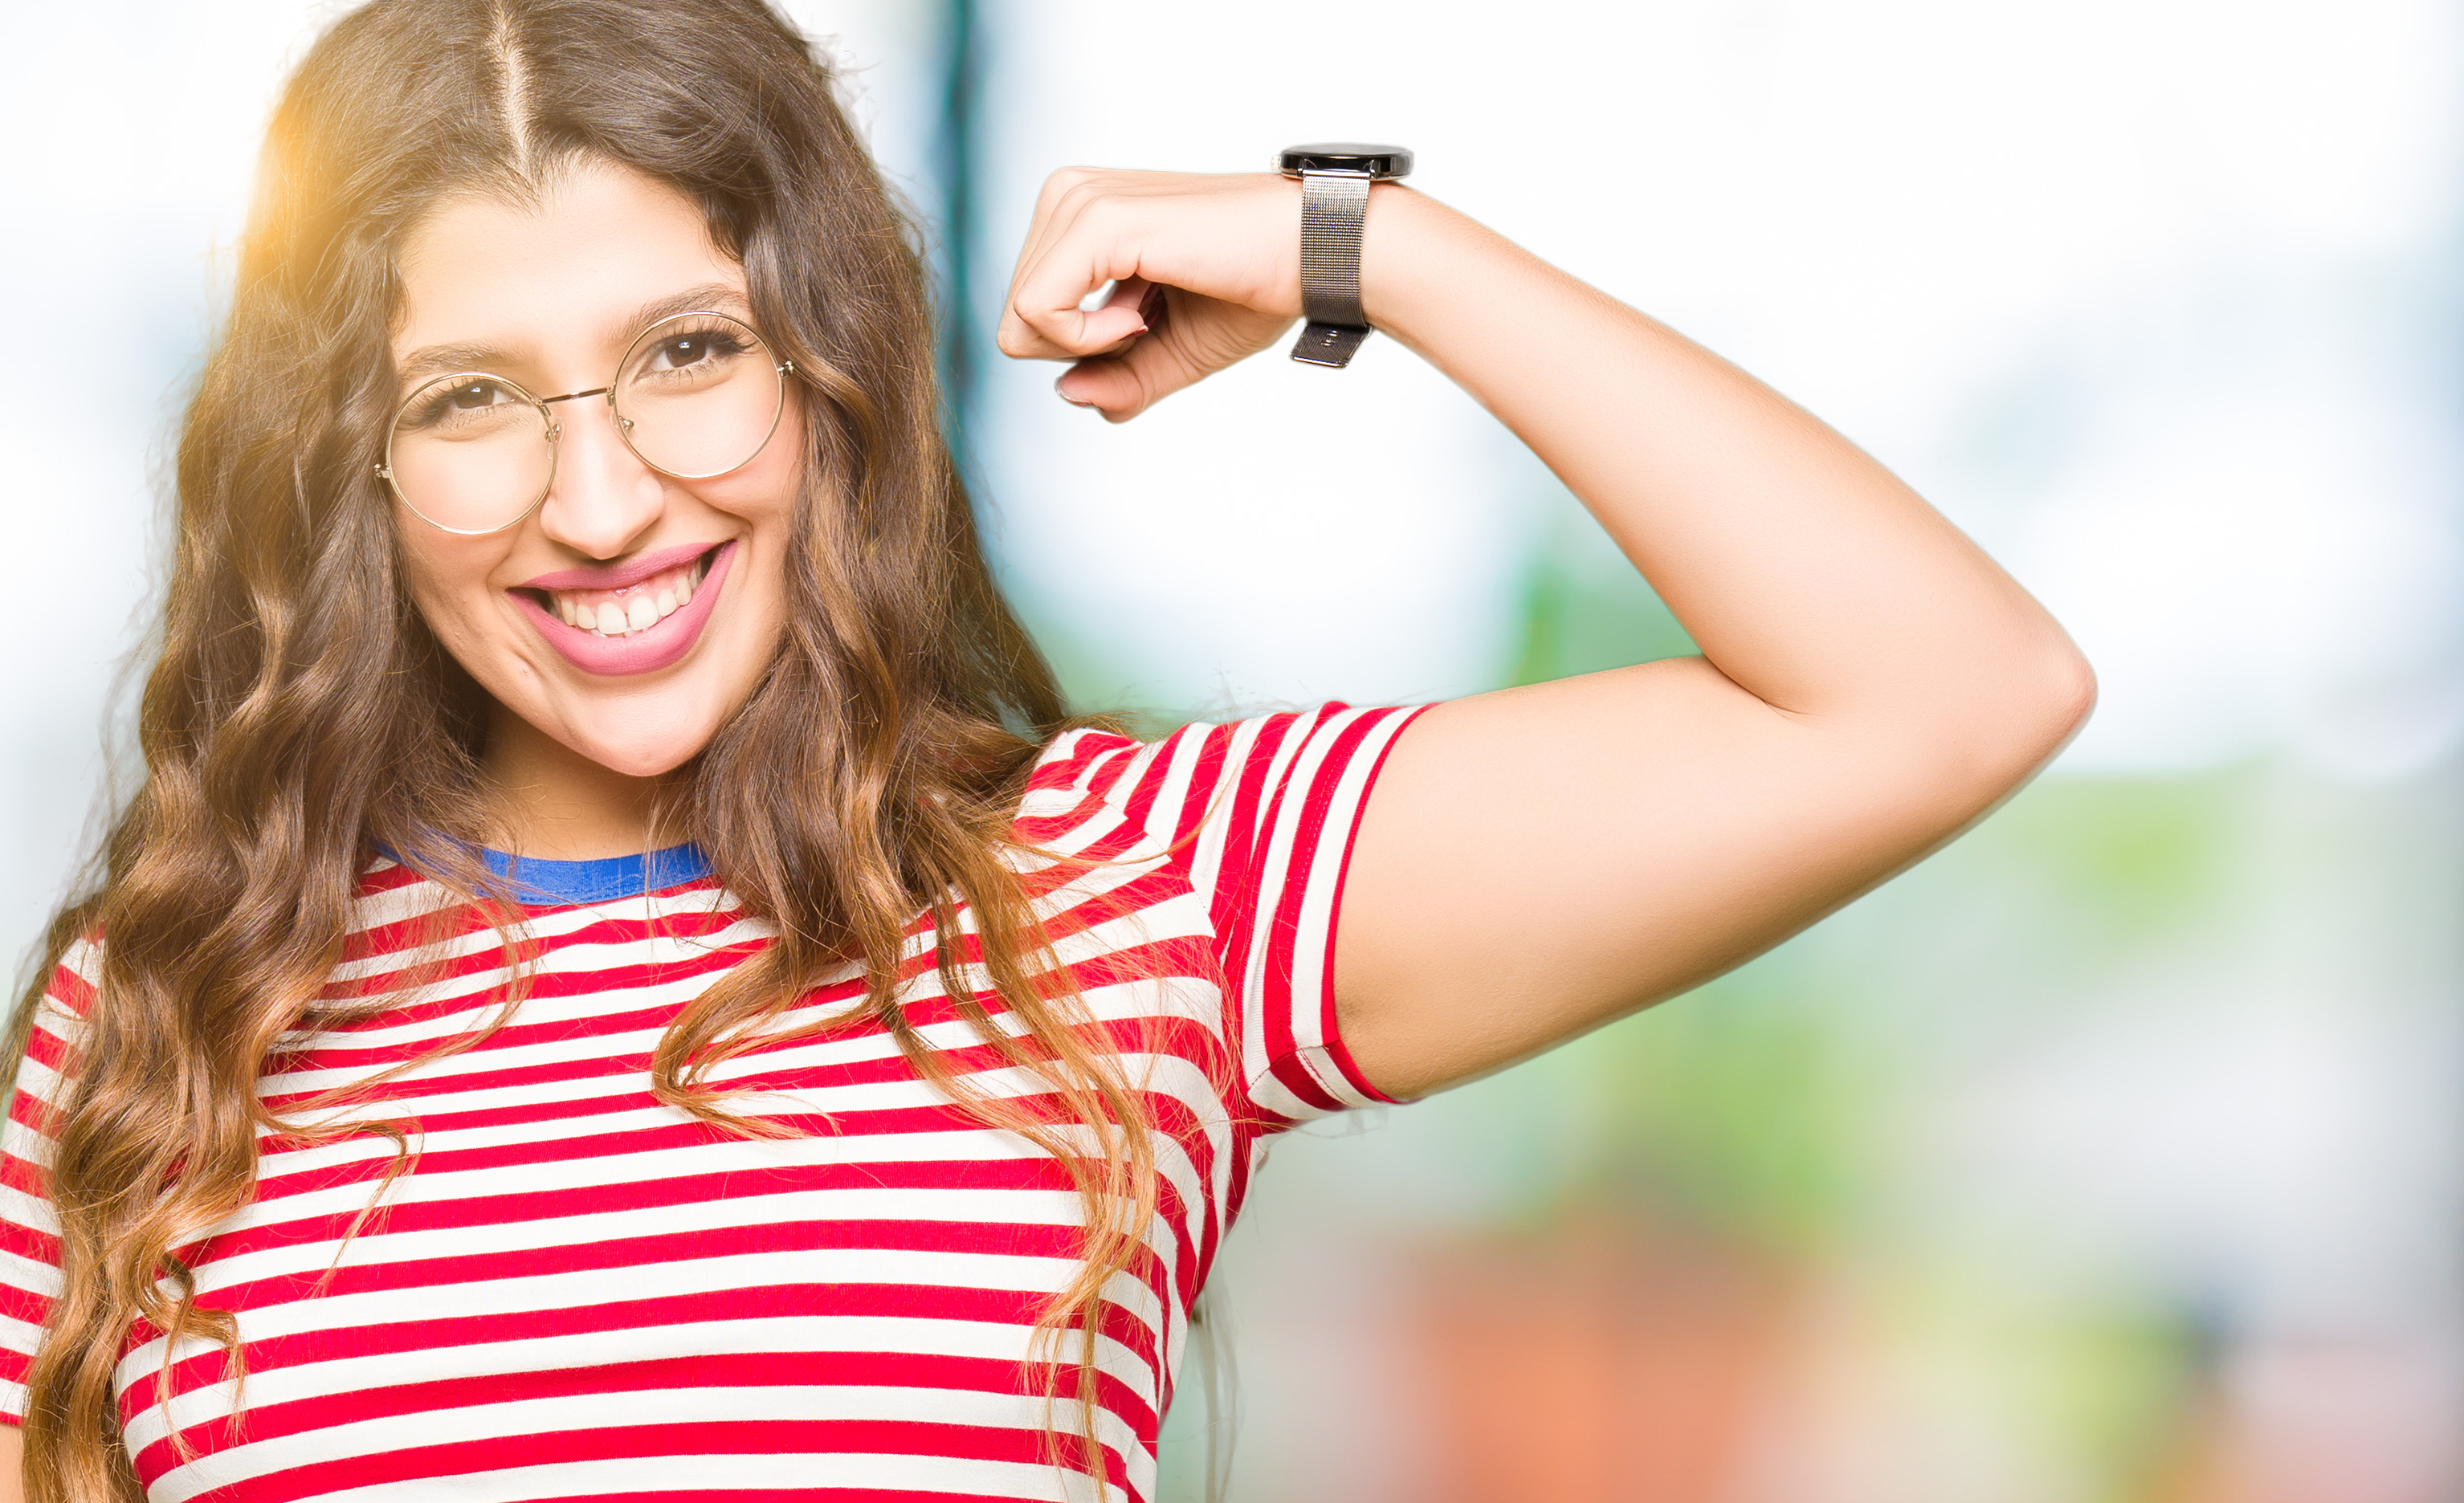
x=300, y=713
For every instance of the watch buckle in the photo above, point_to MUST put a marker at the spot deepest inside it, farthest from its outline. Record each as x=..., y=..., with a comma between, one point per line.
x=1329, y=344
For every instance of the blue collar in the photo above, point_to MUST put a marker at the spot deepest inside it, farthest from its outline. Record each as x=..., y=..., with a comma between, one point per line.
x=538, y=883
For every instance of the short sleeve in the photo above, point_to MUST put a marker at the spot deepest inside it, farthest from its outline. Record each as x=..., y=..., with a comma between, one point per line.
x=1259, y=815
x=30, y=1245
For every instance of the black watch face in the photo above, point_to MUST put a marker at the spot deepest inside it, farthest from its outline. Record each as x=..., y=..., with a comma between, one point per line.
x=1345, y=155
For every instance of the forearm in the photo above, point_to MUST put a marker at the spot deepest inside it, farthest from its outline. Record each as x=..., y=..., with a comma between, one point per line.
x=1809, y=574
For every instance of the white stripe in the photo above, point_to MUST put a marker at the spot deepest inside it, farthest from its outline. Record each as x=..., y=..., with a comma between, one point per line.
x=24, y=1209
x=545, y=928
x=1313, y=942
x=690, y=1475
x=820, y=1336
x=750, y=1273
x=817, y=1337
x=734, y=1156
x=378, y=1246
x=26, y=1273
x=22, y=1337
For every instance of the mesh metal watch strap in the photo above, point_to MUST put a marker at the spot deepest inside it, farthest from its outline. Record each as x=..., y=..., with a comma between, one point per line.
x=1333, y=206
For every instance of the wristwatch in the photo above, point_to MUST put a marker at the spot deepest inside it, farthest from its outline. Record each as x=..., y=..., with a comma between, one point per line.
x=1334, y=200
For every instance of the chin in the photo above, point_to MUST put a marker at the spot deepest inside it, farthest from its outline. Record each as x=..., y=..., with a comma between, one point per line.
x=638, y=756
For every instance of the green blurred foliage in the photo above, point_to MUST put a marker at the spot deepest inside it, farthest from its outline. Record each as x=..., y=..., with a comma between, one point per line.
x=1584, y=608
x=1737, y=1109
x=2113, y=864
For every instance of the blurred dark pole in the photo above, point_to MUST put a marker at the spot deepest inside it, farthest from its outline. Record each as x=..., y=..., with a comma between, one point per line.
x=953, y=159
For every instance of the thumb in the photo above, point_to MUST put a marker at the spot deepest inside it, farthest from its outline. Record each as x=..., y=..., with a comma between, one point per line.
x=1121, y=387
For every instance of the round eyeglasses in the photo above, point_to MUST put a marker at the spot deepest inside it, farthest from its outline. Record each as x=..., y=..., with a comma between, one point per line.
x=695, y=395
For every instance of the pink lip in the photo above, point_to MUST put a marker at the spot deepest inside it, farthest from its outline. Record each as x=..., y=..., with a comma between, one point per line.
x=644, y=652
x=616, y=576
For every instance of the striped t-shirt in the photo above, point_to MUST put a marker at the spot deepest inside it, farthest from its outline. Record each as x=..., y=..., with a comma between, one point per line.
x=575, y=1292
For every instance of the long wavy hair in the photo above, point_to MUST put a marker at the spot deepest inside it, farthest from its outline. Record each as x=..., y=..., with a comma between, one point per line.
x=300, y=715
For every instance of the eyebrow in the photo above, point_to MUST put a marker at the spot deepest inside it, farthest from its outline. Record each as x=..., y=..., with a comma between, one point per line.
x=442, y=360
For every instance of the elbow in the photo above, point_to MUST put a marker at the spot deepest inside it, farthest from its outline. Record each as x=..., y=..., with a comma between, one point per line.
x=2063, y=698
x=1982, y=732
x=2038, y=704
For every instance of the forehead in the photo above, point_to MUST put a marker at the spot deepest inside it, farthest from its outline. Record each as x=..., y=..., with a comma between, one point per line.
x=560, y=275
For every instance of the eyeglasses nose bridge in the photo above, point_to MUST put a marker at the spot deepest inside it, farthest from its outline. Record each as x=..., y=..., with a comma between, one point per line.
x=556, y=429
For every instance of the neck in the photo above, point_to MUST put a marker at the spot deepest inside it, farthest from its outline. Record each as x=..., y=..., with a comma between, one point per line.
x=556, y=804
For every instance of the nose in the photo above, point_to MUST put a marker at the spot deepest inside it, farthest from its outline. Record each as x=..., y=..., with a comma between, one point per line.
x=603, y=499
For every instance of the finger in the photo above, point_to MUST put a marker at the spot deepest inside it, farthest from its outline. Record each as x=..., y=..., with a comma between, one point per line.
x=1056, y=204
x=1147, y=297
x=1148, y=300
x=1052, y=207
x=1098, y=243
x=1029, y=329
x=1124, y=385
x=1108, y=385
x=1068, y=334
x=1045, y=321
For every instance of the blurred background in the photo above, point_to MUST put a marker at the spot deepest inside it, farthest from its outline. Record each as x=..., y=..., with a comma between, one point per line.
x=2109, y=1157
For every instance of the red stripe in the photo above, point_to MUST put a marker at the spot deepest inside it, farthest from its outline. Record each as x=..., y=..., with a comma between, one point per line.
x=1328, y=1027
x=757, y=1438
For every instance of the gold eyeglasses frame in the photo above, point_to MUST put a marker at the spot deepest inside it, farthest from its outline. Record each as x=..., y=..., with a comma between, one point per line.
x=624, y=424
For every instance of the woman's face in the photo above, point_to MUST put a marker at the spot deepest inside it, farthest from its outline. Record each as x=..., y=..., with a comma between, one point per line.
x=680, y=583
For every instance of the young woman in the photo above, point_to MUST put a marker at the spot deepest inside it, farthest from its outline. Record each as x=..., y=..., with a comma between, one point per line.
x=622, y=980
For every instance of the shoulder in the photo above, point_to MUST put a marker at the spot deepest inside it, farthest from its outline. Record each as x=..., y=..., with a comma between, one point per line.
x=1166, y=788
x=68, y=996
x=45, y=1040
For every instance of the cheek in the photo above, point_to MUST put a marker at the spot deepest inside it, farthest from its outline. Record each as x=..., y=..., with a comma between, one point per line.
x=763, y=494
x=440, y=584
x=764, y=490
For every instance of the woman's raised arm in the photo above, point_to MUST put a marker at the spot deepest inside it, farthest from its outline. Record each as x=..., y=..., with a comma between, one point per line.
x=1537, y=861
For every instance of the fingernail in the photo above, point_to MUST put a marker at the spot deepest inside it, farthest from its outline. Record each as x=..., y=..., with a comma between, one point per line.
x=1066, y=397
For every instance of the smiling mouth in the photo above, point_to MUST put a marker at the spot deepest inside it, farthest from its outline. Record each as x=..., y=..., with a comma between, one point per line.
x=631, y=610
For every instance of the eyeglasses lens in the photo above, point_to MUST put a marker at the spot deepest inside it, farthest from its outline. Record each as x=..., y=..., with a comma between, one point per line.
x=470, y=454
x=698, y=395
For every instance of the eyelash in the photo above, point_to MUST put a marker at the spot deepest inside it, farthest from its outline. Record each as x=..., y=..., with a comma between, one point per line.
x=439, y=405
x=722, y=341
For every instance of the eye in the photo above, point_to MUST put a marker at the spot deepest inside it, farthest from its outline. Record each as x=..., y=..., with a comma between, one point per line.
x=456, y=402
x=465, y=407
x=681, y=351
x=694, y=347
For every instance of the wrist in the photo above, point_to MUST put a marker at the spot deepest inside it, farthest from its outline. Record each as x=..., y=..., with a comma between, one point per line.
x=1405, y=241
x=1337, y=179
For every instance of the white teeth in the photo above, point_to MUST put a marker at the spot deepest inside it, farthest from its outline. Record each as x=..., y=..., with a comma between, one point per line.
x=633, y=610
